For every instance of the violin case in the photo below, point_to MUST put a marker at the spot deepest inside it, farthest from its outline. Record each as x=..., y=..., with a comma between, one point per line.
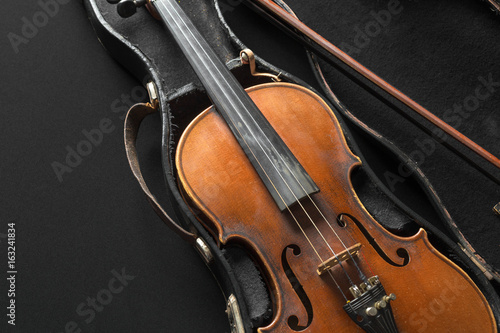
x=408, y=180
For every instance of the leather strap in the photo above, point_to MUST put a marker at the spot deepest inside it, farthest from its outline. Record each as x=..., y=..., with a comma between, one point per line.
x=135, y=116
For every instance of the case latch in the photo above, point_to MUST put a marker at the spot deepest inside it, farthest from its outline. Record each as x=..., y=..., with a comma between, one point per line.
x=234, y=315
x=204, y=250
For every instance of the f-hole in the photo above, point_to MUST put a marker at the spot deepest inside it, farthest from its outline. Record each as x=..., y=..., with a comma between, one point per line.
x=293, y=321
x=402, y=253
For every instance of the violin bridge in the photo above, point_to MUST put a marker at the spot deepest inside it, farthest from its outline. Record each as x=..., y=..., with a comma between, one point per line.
x=335, y=260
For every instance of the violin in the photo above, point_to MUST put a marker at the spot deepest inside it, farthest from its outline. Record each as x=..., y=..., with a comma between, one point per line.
x=268, y=169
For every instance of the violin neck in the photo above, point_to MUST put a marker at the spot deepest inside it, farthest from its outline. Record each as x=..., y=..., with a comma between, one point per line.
x=284, y=177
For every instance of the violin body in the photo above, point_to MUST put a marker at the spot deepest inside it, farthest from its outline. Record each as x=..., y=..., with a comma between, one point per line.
x=433, y=294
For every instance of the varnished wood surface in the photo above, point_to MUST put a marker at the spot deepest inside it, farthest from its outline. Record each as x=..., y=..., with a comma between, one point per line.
x=433, y=294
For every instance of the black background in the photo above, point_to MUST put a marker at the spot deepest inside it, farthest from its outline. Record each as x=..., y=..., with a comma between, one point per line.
x=71, y=234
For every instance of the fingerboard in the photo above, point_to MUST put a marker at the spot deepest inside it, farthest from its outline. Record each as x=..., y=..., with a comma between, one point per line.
x=283, y=176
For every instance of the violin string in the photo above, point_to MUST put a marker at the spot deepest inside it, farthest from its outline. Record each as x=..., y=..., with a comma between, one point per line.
x=311, y=220
x=302, y=230
x=361, y=255
x=361, y=274
x=305, y=235
x=321, y=259
x=305, y=211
